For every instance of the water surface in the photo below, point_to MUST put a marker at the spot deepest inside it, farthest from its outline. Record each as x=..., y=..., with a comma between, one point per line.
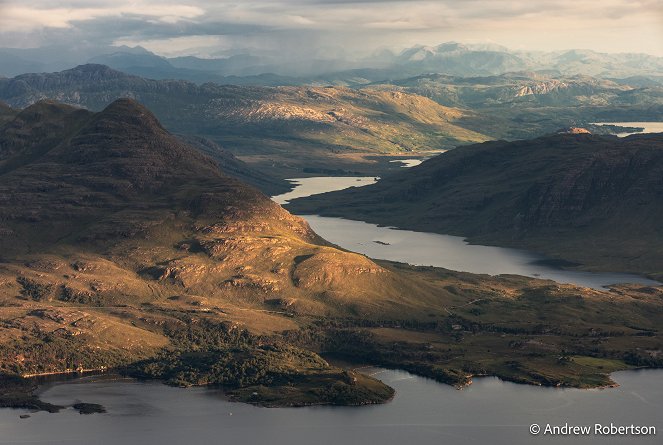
x=312, y=186
x=423, y=412
x=649, y=127
x=431, y=249
x=407, y=163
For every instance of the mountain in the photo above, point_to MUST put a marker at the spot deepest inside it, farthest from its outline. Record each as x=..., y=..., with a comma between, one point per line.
x=526, y=104
x=317, y=123
x=530, y=89
x=594, y=200
x=112, y=231
x=457, y=59
x=124, y=248
x=333, y=67
x=6, y=113
x=236, y=168
x=479, y=60
x=333, y=124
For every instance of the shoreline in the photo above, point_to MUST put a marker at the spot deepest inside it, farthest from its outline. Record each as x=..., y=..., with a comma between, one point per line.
x=113, y=376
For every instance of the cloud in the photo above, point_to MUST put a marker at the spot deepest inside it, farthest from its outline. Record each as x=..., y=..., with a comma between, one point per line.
x=22, y=17
x=168, y=26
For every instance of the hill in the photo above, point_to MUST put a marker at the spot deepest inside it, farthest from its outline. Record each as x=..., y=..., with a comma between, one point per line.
x=112, y=230
x=302, y=126
x=123, y=247
x=595, y=200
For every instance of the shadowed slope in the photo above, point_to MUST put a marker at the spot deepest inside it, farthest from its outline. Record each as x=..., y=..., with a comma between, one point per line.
x=592, y=199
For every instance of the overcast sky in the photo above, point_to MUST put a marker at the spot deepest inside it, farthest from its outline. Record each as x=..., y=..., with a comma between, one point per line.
x=217, y=27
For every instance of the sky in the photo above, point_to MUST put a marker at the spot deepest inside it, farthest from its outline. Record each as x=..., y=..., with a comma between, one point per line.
x=342, y=28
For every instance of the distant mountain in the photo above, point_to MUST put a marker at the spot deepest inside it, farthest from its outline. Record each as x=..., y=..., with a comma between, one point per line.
x=461, y=60
x=122, y=60
x=264, y=68
x=531, y=89
x=596, y=200
x=471, y=60
x=313, y=121
x=527, y=104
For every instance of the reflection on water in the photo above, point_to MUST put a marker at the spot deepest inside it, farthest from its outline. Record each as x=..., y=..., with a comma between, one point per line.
x=313, y=186
x=451, y=252
x=430, y=249
x=649, y=127
x=423, y=412
x=408, y=162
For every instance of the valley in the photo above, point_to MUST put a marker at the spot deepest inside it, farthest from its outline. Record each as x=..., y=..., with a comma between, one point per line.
x=394, y=222
x=114, y=258
x=326, y=128
x=280, y=130
x=555, y=194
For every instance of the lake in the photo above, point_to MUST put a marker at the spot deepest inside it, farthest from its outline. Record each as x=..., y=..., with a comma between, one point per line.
x=649, y=127
x=423, y=412
x=431, y=249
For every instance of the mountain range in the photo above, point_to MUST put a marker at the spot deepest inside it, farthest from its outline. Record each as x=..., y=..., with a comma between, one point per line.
x=304, y=126
x=327, y=127
x=523, y=105
x=449, y=58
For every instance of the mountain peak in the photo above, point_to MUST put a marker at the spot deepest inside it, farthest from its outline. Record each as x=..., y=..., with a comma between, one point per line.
x=132, y=112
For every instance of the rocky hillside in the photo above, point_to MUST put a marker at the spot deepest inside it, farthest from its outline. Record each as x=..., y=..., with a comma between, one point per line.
x=529, y=88
x=116, y=184
x=112, y=231
x=523, y=105
x=254, y=120
x=595, y=200
x=233, y=166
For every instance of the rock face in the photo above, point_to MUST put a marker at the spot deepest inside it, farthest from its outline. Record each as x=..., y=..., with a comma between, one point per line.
x=591, y=198
x=575, y=130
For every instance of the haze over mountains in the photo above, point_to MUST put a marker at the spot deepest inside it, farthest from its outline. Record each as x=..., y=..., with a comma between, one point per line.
x=268, y=69
x=316, y=123
x=326, y=124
